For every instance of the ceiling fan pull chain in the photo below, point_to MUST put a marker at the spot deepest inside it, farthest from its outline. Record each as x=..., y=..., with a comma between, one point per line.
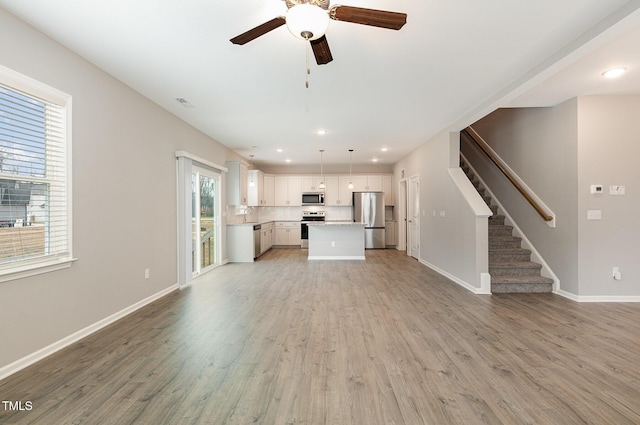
x=308, y=67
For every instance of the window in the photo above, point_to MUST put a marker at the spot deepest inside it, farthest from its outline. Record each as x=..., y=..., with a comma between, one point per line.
x=35, y=213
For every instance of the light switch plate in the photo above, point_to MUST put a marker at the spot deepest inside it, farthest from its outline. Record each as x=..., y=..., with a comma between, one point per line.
x=616, y=190
x=594, y=214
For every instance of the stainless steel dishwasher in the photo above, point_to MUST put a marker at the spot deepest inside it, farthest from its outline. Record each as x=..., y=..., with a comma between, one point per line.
x=257, y=242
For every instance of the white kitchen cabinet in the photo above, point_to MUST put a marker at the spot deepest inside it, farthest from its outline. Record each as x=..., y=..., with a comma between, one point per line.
x=240, y=246
x=288, y=191
x=237, y=183
x=390, y=233
x=312, y=184
x=288, y=233
x=255, y=190
x=388, y=189
x=367, y=183
x=266, y=237
x=374, y=183
x=345, y=192
x=359, y=183
x=332, y=191
x=269, y=190
x=281, y=186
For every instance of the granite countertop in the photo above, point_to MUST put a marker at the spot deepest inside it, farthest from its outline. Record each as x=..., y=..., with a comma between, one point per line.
x=253, y=223
x=250, y=223
x=336, y=223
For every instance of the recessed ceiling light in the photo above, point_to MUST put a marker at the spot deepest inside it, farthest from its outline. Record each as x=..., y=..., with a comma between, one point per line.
x=280, y=150
x=384, y=149
x=374, y=160
x=287, y=160
x=613, y=73
x=322, y=132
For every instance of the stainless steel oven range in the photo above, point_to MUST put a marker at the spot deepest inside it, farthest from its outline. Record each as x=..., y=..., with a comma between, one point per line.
x=308, y=217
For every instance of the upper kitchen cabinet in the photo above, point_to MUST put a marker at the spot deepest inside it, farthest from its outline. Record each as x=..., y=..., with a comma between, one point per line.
x=344, y=193
x=237, y=183
x=288, y=191
x=256, y=189
x=372, y=183
x=312, y=184
x=269, y=190
x=367, y=183
x=388, y=189
x=332, y=192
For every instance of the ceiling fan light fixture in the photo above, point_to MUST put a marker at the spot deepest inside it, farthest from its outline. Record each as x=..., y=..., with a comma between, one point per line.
x=307, y=22
x=613, y=73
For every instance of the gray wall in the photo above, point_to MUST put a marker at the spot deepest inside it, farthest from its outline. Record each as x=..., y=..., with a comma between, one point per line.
x=608, y=153
x=559, y=152
x=449, y=243
x=124, y=198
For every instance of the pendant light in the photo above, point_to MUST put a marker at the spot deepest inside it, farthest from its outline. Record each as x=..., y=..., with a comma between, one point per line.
x=350, y=185
x=251, y=182
x=321, y=185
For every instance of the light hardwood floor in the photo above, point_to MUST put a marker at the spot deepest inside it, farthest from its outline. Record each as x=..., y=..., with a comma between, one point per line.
x=381, y=341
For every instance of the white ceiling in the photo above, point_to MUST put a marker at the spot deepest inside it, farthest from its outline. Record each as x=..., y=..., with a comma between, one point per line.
x=452, y=63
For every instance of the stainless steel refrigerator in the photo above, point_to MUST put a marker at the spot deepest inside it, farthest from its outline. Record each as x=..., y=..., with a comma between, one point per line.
x=368, y=208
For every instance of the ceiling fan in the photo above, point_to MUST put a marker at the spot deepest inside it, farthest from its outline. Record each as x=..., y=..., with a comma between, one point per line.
x=309, y=19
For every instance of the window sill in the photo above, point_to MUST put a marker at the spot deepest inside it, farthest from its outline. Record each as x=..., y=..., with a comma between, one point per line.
x=20, y=272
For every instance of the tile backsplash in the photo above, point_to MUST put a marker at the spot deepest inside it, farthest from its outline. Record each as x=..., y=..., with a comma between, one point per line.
x=235, y=213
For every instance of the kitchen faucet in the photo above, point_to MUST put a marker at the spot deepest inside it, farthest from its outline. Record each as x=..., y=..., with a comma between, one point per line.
x=244, y=215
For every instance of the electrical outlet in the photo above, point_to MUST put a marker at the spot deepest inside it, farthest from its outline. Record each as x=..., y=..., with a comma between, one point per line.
x=616, y=273
x=147, y=273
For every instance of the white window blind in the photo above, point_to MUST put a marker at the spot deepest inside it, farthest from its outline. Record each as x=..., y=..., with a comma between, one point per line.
x=34, y=177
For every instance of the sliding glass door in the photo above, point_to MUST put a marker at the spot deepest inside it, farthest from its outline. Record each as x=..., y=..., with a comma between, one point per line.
x=205, y=220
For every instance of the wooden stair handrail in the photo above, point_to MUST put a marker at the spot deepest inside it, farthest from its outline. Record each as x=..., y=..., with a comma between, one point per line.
x=498, y=162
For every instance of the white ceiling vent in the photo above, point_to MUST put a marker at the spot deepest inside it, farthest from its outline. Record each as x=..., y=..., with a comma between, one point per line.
x=184, y=102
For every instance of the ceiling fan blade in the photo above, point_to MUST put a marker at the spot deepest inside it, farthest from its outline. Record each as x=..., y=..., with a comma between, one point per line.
x=373, y=17
x=256, y=32
x=321, y=50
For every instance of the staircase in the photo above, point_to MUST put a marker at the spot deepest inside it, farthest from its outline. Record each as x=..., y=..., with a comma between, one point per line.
x=510, y=265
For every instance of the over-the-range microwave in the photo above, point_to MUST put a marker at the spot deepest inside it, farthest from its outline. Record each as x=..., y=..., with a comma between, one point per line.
x=313, y=198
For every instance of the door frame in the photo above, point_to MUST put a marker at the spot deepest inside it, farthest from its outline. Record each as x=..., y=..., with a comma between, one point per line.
x=184, y=165
x=402, y=215
x=413, y=202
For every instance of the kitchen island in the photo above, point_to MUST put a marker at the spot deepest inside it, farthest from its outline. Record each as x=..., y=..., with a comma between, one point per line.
x=338, y=240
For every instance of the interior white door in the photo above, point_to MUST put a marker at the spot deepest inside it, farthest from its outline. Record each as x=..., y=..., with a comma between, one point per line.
x=413, y=215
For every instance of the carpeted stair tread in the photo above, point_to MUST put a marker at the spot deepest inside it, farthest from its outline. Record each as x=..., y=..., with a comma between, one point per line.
x=504, y=255
x=521, y=288
x=521, y=279
x=514, y=268
x=500, y=230
x=516, y=265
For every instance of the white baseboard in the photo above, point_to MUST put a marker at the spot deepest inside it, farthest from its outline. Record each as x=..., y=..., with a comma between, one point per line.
x=464, y=284
x=32, y=358
x=600, y=298
x=328, y=257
